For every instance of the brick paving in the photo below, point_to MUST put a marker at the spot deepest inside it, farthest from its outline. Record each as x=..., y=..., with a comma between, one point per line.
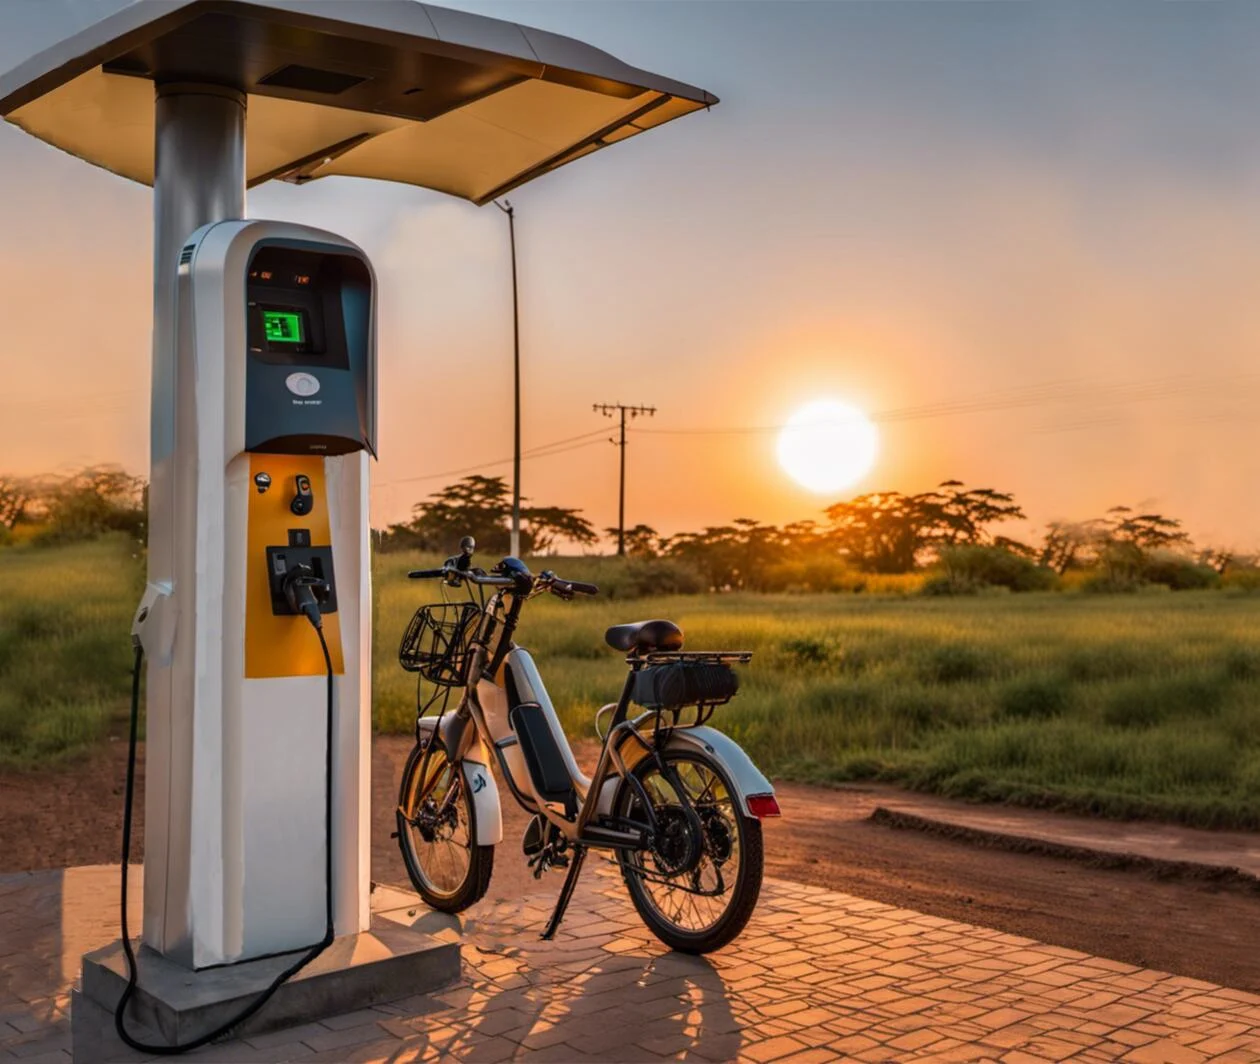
x=818, y=976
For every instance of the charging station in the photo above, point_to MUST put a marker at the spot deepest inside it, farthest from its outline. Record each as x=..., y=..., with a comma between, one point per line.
x=277, y=323
x=255, y=623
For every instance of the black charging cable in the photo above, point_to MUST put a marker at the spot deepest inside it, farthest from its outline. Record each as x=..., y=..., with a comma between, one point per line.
x=312, y=951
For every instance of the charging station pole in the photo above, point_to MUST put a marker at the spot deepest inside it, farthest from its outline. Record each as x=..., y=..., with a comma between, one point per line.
x=198, y=178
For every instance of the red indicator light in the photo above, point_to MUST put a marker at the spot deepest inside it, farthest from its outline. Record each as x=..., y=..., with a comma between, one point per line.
x=302, y=278
x=763, y=805
x=266, y=275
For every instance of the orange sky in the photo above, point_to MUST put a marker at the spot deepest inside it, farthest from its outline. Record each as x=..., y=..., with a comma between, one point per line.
x=896, y=205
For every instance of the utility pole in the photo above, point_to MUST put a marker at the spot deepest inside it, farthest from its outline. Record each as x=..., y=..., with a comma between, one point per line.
x=515, y=550
x=608, y=410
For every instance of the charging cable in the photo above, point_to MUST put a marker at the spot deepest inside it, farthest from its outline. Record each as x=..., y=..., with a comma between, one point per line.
x=300, y=591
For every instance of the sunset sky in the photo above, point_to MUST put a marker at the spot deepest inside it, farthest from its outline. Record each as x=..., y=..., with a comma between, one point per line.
x=1025, y=236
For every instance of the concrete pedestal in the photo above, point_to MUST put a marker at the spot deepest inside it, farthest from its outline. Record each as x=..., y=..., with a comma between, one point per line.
x=175, y=1004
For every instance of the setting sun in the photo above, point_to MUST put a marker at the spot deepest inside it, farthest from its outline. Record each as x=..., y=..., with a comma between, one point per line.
x=828, y=445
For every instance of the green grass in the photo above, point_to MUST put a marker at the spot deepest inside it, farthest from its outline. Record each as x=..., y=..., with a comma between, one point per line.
x=1125, y=705
x=65, y=654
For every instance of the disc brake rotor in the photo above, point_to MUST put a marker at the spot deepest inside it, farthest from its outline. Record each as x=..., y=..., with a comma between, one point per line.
x=717, y=834
x=673, y=845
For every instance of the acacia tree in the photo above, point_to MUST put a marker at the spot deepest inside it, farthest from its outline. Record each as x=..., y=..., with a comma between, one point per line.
x=881, y=532
x=642, y=541
x=961, y=516
x=888, y=532
x=1128, y=538
x=481, y=507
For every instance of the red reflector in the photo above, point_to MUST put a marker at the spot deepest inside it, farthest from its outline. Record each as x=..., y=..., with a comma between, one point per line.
x=763, y=805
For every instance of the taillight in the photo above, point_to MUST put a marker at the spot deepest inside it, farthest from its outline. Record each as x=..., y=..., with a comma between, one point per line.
x=763, y=805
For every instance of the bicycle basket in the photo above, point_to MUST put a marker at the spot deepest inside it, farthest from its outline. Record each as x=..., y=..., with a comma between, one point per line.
x=435, y=643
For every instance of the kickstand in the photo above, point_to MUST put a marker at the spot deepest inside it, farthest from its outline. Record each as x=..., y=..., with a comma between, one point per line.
x=566, y=892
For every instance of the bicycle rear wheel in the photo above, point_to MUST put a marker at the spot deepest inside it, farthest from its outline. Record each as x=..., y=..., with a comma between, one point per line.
x=694, y=903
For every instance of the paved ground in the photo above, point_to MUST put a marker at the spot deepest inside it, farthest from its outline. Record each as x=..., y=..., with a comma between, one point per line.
x=817, y=976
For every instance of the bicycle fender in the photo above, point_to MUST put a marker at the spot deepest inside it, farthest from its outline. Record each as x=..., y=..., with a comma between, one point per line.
x=485, y=795
x=746, y=777
x=479, y=780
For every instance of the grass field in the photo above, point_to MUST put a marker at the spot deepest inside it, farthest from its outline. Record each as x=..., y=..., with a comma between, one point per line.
x=1124, y=705
x=65, y=652
x=1145, y=704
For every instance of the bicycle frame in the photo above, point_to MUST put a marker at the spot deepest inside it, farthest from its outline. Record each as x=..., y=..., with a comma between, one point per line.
x=501, y=685
x=486, y=705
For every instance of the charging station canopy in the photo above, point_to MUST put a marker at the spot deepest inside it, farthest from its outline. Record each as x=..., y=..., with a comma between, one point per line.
x=390, y=89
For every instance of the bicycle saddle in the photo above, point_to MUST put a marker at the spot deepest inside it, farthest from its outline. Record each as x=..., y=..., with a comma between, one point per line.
x=645, y=637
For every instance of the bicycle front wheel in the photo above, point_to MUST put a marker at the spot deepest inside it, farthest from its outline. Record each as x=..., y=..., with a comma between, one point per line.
x=437, y=833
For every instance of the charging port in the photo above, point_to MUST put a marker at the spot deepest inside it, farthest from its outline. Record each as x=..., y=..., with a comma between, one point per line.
x=282, y=561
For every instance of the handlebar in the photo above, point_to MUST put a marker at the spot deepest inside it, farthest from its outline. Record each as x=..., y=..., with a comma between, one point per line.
x=471, y=575
x=545, y=581
x=568, y=588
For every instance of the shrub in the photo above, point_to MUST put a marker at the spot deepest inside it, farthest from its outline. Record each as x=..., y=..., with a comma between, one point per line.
x=626, y=578
x=810, y=650
x=1178, y=572
x=965, y=569
x=641, y=577
x=1242, y=663
x=954, y=663
x=1106, y=582
x=1242, y=578
x=811, y=574
x=1036, y=699
x=94, y=502
x=1145, y=703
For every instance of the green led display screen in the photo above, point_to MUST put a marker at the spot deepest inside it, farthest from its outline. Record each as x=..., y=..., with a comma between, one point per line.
x=284, y=327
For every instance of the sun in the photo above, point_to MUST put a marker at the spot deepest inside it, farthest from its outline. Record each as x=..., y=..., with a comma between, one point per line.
x=828, y=445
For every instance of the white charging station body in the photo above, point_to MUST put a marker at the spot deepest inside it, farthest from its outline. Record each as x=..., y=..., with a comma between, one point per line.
x=275, y=332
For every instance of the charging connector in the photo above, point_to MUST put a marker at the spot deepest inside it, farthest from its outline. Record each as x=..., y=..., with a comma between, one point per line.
x=304, y=591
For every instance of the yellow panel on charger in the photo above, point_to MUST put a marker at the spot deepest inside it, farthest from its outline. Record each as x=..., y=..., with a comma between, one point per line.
x=284, y=645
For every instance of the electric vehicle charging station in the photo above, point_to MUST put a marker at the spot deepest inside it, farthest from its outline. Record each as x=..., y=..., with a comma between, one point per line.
x=263, y=416
x=277, y=323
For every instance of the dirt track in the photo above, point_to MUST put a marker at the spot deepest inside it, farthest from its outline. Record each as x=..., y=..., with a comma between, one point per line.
x=73, y=816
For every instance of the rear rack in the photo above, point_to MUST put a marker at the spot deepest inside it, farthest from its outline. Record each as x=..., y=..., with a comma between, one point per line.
x=708, y=657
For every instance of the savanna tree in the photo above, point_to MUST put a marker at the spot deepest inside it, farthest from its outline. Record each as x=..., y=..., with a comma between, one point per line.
x=481, y=507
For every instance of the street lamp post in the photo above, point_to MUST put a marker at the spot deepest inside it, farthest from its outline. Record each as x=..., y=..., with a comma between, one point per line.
x=507, y=208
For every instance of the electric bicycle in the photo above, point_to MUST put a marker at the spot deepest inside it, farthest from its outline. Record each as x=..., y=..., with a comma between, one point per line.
x=677, y=803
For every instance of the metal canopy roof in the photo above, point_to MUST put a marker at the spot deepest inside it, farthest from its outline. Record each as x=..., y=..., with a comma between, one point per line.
x=390, y=89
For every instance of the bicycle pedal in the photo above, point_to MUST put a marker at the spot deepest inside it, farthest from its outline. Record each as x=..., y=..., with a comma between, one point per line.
x=560, y=860
x=393, y=834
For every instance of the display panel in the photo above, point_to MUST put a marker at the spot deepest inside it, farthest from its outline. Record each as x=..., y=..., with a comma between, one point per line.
x=284, y=326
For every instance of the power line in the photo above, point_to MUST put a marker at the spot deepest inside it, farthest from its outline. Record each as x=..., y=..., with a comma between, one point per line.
x=607, y=410
x=1034, y=395
x=545, y=450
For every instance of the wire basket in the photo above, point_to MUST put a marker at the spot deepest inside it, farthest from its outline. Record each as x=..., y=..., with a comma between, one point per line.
x=435, y=643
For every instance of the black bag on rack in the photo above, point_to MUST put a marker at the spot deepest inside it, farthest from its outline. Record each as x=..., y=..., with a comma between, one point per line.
x=684, y=683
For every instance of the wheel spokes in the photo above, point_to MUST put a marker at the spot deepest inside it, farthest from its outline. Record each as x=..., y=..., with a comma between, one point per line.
x=444, y=857
x=696, y=900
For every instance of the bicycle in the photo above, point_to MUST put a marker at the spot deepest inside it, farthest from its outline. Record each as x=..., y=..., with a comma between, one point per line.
x=678, y=803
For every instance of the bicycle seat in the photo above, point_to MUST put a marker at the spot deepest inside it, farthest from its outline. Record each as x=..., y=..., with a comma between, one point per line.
x=645, y=637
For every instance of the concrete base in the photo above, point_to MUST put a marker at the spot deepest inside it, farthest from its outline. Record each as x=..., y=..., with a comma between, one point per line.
x=173, y=1004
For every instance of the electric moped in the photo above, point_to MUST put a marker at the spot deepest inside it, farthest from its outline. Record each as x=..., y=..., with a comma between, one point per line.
x=677, y=802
